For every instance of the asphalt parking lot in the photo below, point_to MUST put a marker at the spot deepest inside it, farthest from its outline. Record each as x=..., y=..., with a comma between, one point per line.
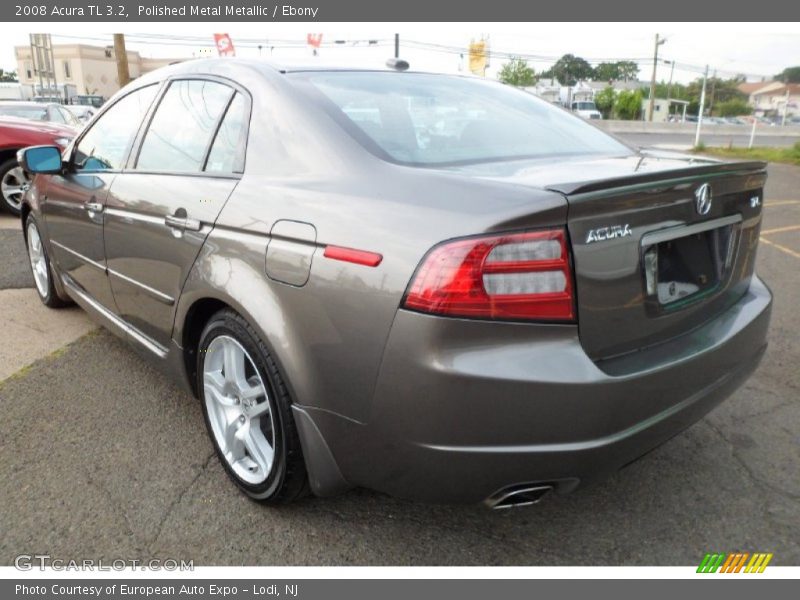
x=101, y=457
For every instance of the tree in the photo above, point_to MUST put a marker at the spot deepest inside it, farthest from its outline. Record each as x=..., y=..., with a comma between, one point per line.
x=606, y=71
x=789, y=75
x=717, y=91
x=628, y=70
x=604, y=100
x=733, y=108
x=8, y=76
x=628, y=105
x=517, y=72
x=569, y=69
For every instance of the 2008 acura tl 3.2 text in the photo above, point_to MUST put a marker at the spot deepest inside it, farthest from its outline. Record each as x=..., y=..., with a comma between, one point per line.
x=438, y=287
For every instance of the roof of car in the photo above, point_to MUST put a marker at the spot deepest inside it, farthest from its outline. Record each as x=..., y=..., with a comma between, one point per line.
x=298, y=65
x=25, y=103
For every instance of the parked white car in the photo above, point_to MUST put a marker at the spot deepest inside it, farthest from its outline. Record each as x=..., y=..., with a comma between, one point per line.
x=82, y=113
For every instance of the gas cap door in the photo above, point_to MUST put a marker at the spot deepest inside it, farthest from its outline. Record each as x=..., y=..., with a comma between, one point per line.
x=289, y=252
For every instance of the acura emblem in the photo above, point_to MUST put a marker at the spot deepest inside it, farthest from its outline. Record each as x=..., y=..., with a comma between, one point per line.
x=702, y=202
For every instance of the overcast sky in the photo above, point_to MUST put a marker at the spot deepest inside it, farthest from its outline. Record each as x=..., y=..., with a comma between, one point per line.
x=758, y=50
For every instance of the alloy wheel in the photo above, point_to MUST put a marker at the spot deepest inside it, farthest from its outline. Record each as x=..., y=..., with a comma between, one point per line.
x=13, y=186
x=239, y=410
x=38, y=260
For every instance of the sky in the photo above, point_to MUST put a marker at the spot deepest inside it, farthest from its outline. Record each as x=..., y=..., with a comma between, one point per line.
x=756, y=49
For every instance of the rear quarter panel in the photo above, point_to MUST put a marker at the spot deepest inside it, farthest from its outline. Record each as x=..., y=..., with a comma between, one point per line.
x=328, y=335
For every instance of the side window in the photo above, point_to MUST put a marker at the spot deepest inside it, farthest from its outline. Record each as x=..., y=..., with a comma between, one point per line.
x=106, y=144
x=68, y=117
x=56, y=116
x=181, y=129
x=227, y=151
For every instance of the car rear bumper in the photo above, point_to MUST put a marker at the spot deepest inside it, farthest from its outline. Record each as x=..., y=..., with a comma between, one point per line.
x=464, y=409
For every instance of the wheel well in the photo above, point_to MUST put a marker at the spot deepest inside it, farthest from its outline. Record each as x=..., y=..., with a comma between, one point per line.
x=196, y=318
x=7, y=153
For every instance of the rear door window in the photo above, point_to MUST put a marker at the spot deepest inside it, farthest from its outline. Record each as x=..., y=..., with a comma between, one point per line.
x=227, y=151
x=183, y=126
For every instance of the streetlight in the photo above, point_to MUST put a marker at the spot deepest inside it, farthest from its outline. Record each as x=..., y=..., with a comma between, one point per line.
x=669, y=85
x=659, y=42
x=671, y=71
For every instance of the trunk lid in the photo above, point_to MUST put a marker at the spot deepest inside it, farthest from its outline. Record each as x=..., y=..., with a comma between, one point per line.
x=657, y=254
x=648, y=265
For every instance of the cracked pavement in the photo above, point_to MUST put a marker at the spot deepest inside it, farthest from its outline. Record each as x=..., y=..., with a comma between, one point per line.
x=102, y=457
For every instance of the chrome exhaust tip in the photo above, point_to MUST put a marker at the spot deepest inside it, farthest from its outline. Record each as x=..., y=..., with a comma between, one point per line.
x=518, y=495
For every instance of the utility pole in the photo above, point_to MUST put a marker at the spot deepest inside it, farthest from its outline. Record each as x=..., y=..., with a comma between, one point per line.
x=702, y=107
x=121, y=55
x=671, y=72
x=669, y=85
x=653, y=79
x=397, y=45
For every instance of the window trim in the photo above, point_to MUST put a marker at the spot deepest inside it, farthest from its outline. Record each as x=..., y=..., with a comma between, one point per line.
x=107, y=107
x=241, y=143
x=133, y=158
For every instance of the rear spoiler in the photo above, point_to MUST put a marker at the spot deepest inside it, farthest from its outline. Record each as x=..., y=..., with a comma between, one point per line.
x=702, y=169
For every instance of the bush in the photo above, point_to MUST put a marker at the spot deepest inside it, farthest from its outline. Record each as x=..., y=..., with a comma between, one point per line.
x=604, y=100
x=628, y=105
x=732, y=108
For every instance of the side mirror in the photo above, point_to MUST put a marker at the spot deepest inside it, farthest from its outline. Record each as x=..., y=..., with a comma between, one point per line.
x=40, y=159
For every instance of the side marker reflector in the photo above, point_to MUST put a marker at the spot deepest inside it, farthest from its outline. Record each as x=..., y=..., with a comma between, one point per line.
x=359, y=257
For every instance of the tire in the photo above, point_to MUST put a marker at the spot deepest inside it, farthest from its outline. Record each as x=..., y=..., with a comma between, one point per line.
x=13, y=182
x=41, y=268
x=247, y=411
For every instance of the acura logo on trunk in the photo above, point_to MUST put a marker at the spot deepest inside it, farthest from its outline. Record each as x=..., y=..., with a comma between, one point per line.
x=702, y=201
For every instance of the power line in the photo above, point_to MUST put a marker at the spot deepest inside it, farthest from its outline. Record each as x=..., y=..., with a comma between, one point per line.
x=156, y=39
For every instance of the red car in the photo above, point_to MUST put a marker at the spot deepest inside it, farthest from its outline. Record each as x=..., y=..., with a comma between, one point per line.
x=16, y=133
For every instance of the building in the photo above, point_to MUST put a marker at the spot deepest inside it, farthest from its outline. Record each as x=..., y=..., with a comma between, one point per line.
x=546, y=89
x=89, y=69
x=773, y=99
x=619, y=86
x=660, y=110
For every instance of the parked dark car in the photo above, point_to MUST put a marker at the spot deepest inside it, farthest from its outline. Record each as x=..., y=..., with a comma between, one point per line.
x=16, y=133
x=39, y=111
x=364, y=293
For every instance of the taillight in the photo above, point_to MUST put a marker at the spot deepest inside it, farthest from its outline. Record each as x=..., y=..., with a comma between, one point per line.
x=518, y=276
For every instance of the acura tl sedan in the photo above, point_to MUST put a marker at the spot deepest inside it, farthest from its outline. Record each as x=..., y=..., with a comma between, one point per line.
x=437, y=287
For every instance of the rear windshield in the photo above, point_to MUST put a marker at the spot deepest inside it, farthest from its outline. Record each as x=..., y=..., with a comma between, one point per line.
x=34, y=113
x=427, y=120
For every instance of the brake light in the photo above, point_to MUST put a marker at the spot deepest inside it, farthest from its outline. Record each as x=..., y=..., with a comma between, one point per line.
x=517, y=276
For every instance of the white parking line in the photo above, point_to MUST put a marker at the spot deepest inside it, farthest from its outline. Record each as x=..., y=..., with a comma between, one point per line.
x=781, y=202
x=788, y=251
x=781, y=229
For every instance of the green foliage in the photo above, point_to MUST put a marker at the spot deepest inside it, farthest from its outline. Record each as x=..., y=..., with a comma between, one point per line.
x=733, y=108
x=628, y=70
x=789, y=75
x=569, y=70
x=606, y=71
x=719, y=93
x=517, y=72
x=8, y=76
x=604, y=100
x=789, y=155
x=628, y=105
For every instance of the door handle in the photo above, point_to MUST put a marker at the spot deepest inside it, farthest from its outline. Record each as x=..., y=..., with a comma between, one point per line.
x=183, y=223
x=93, y=207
